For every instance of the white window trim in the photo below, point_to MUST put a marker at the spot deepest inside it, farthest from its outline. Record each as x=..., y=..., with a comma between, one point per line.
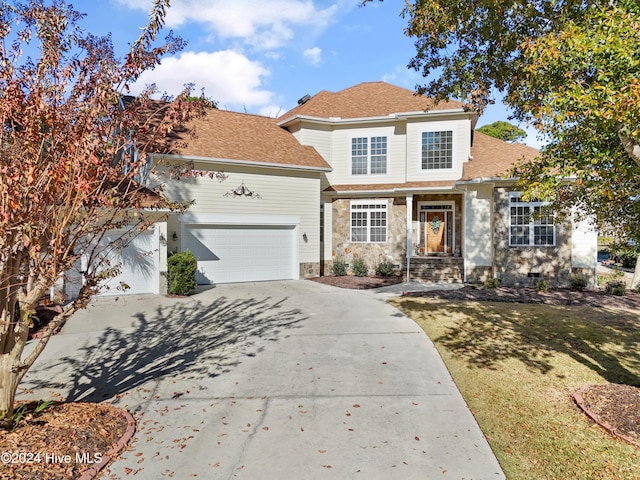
x=384, y=203
x=453, y=149
x=368, y=137
x=532, y=223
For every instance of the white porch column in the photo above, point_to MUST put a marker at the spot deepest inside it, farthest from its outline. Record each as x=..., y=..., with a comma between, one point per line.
x=409, y=232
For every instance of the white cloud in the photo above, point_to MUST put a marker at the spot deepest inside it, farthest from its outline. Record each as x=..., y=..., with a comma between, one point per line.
x=313, y=55
x=228, y=77
x=265, y=24
x=272, y=111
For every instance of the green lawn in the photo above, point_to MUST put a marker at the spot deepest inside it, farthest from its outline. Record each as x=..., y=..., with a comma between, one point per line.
x=517, y=366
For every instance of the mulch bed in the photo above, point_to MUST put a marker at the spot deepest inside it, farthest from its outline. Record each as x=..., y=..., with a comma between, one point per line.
x=64, y=441
x=614, y=407
x=559, y=296
x=358, y=283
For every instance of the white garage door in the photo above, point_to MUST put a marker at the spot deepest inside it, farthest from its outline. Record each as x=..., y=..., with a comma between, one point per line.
x=229, y=253
x=139, y=265
x=139, y=261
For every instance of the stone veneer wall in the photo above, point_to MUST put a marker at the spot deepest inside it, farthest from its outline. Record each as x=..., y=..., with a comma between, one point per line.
x=479, y=274
x=514, y=264
x=309, y=269
x=372, y=253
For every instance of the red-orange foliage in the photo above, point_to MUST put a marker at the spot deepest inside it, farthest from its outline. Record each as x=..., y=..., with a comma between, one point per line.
x=72, y=151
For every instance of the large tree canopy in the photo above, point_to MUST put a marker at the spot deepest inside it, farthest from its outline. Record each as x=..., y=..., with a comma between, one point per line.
x=571, y=68
x=504, y=131
x=72, y=151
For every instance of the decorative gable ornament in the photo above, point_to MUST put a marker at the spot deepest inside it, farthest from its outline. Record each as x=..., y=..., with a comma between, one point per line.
x=242, y=191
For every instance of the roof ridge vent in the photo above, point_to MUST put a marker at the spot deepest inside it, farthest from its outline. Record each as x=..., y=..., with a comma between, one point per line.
x=304, y=99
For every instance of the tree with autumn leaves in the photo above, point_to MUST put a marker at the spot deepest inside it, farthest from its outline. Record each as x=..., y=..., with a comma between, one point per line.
x=571, y=68
x=72, y=153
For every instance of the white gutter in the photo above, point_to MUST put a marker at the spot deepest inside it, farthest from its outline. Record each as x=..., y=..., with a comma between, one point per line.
x=391, y=191
x=252, y=163
x=376, y=119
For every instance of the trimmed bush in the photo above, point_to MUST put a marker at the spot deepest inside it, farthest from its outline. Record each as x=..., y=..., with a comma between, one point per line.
x=542, y=286
x=492, y=283
x=339, y=267
x=579, y=282
x=359, y=267
x=182, y=273
x=616, y=288
x=384, y=268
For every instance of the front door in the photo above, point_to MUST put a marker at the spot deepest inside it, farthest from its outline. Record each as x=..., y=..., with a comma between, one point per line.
x=435, y=228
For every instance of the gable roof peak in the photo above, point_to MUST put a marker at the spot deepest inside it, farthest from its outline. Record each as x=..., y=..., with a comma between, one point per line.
x=365, y=100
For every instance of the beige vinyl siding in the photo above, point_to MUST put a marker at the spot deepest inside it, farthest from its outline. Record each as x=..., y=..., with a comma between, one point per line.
x=584, y=242
x=461, y=148
x=319, y=137
x=341, y=155
x=478, y=227
x=285, y=193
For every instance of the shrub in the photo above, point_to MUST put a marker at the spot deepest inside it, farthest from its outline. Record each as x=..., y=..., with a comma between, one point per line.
x=359, y=267
x=625, y=255
x=616, y=288
x=339, y=267
x=182, y=273
x=542, y=286
x=579, y=281
x=492, y=282
x=384, y=268
x=627, y=259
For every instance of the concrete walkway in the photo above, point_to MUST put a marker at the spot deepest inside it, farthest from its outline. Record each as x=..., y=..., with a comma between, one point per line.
x=275, y=380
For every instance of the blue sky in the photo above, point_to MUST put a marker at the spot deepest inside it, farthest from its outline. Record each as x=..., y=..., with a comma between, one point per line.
x=261, y=56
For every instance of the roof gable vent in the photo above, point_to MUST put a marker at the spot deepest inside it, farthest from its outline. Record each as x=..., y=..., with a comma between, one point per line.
x=304, y=99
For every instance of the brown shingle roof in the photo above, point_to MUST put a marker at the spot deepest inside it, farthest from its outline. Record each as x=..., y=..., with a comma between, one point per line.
x=492, y=157
x=369, y=99
x=229, y=135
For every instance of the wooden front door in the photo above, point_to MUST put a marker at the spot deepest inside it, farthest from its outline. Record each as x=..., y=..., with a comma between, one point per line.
x=434, y=229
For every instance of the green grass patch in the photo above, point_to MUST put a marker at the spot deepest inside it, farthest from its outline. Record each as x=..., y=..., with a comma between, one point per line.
x=517, y=366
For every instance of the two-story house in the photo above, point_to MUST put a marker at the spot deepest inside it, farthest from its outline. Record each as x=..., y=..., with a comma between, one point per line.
x=414, y=183
x=373, y=171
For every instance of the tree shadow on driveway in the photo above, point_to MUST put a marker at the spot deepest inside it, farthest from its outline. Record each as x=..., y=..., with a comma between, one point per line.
x=189, y=338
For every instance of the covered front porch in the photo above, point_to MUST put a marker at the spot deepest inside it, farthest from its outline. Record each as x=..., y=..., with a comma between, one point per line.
x=434, y=237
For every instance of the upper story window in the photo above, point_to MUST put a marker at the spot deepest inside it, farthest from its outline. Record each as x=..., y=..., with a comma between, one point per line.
x=529, y=223
x=368, y=155
x=437, y=150
x=368, y=221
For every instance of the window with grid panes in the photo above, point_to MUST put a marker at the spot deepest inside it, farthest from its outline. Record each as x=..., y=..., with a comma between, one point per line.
x=530, y=224
x=368, y=155
x=369, y=221
x=437, y=150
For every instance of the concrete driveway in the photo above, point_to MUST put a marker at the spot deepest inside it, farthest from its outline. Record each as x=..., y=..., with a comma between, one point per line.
x=275, y=380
